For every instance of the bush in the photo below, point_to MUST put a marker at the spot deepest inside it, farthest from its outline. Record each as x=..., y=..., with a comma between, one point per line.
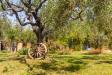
x=23, y=51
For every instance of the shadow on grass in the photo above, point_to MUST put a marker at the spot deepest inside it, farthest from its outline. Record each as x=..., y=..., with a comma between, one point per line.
x=5, y=59
x=91, y=57
x=11, y=58
x=72, y=68
x=2, y=60
x=104, y=61
x=75, y=61
x=58, y=63
x=65, y=57
x=48, y=66
x=71, y=65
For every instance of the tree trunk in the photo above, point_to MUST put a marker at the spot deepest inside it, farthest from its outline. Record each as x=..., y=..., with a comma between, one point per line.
x=38, y=33
x=39, y=36
x=40, y=50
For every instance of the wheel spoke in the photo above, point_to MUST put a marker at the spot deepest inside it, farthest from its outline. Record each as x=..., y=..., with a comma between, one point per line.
x=38, y=51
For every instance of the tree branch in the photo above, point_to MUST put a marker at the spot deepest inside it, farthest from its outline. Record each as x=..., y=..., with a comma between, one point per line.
x=33, y=24
x=79, y=16
x=40, y=5
x=2, y=5
x=25, y=4
x=28, y=5
x=17, y=16
x=20, y=8
x=11, y=6
x=17, y=6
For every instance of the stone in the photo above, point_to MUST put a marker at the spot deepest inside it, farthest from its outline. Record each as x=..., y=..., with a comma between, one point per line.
x=19, y=46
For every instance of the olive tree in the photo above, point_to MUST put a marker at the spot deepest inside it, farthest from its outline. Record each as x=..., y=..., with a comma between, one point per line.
x=32, y=9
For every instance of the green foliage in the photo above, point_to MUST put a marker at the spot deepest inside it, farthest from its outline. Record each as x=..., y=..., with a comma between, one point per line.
x=15, y=33
x=59, y=13
x=3, y=28
x=28, y=36
x=12, y=34
x=23, y=51
x=56, y=16
x=103, y=22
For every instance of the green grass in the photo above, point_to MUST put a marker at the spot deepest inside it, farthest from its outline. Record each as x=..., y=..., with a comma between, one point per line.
x=56, y=64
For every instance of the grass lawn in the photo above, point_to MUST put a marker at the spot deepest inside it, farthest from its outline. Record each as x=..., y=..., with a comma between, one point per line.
x=56, y=64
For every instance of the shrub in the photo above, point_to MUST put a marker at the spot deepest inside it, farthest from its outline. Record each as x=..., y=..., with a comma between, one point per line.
x=23, y=51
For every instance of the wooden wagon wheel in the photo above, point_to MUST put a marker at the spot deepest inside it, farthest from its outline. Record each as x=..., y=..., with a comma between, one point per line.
x=39, y=51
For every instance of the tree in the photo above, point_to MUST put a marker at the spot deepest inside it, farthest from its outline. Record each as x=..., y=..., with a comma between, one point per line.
x=33, y=8
x=3, y=28
x=102, y=10
x=31, y=12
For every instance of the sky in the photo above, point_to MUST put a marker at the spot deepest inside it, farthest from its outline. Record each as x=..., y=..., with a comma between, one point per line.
x=12, y=17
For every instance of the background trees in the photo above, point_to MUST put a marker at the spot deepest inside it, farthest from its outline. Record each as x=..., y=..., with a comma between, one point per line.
x=3, y=27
